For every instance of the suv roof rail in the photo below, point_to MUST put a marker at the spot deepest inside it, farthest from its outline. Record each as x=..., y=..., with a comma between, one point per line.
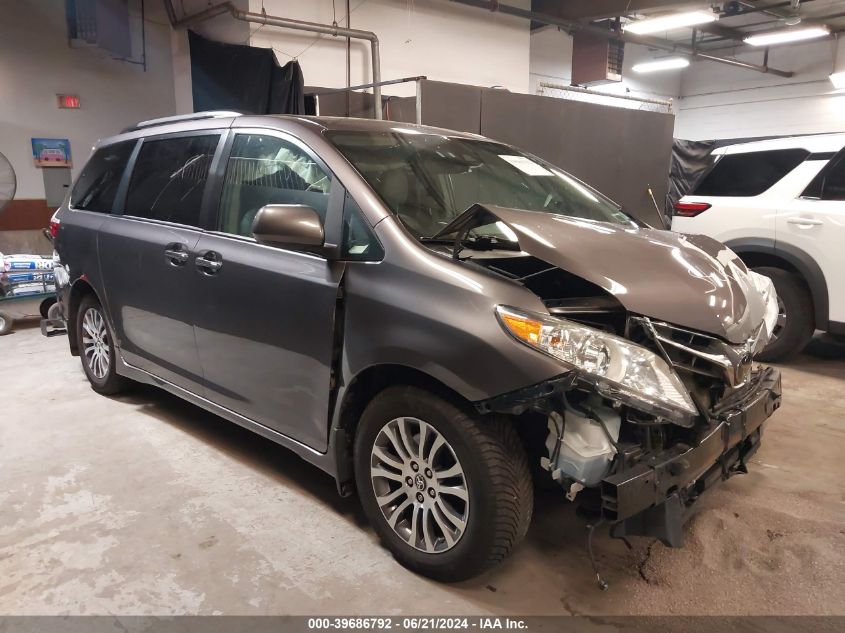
x=196, y=116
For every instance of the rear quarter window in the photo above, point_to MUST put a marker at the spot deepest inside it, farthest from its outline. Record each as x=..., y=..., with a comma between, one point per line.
x=749, y=174
x=97, y=185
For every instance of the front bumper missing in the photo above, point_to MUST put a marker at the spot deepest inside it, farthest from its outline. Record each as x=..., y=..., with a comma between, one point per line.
x=657, y=495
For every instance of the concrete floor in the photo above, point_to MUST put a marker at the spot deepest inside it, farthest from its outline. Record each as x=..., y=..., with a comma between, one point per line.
x=147, y=505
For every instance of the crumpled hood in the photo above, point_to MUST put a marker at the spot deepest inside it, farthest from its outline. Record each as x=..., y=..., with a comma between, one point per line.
x=688, y=280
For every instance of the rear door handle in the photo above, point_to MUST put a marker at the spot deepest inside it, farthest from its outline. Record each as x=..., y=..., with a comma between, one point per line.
x=804, y=221
x=209, y=262
x=176, y=255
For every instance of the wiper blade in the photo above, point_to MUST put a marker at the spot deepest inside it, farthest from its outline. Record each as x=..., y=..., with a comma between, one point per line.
x=478, y=243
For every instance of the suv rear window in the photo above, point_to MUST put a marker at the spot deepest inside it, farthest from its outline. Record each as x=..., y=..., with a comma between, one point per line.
x=97, y=184
x=749, y=174
x=168, y=179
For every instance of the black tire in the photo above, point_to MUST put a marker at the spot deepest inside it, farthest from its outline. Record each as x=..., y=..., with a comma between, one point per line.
x=6, y=323
x=792, y=336
x=45, y=306
x=496, y=473
x=110, y=383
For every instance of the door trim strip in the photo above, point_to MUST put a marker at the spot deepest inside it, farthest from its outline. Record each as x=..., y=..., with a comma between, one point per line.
x=213, y=407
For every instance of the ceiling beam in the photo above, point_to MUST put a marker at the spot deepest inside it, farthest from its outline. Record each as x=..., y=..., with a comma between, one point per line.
x=586, y=10
x=773, y=10
x=722, y=31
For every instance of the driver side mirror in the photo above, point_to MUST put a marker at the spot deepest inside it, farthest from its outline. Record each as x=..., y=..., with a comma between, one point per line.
x=294, y=226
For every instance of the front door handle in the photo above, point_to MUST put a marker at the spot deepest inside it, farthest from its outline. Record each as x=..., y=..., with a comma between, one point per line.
x=804, y=221
x=209, y=262
x=175, y=255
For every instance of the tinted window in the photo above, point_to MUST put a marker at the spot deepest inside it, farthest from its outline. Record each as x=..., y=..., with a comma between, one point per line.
x=749, y=174
x=359, y=243
x=97, y=184
x=830, y=183
x=268, y=170
x=169, y=179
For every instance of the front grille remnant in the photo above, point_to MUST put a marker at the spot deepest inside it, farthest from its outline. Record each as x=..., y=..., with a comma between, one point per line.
x=703, y=354
x=714, y=372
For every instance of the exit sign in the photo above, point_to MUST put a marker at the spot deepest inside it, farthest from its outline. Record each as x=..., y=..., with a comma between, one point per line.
x=69, y=102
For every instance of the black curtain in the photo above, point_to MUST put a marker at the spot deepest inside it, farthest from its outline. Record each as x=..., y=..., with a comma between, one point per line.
x=688, y=162
x=243, y=78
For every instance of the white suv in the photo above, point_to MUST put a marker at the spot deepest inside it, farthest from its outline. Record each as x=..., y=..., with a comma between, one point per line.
x=780, y=205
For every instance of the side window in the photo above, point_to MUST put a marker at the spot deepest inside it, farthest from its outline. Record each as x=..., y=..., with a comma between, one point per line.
x=359, y=242
x=264, y=169
x=834, y=181
x=169, y=177
x=749, y=174
x=831, y=183
x=97, y=184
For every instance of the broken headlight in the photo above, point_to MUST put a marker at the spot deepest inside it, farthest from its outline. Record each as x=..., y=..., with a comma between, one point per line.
x=619, y=369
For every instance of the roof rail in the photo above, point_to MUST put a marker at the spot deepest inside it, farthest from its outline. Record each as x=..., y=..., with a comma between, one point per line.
x=196, y=116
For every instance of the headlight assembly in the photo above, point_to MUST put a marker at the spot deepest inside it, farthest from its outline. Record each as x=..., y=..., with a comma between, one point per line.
x=619, y=370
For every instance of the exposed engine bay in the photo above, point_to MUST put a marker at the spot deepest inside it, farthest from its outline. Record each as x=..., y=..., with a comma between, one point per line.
x=652, y=412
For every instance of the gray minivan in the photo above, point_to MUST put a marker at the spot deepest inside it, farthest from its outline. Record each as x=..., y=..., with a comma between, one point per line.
x=438, y=320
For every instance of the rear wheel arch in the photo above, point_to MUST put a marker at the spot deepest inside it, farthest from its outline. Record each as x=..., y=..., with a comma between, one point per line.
x=756, y=254
x=78, y=291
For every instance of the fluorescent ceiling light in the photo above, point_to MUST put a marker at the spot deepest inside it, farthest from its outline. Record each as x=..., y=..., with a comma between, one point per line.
x=838, y=80
x=787, y=35
x=661, y=64
x=669, y=22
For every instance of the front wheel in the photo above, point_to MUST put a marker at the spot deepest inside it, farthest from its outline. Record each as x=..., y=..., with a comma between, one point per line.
x=448, y=492
x=96, y=347
x=795, y=325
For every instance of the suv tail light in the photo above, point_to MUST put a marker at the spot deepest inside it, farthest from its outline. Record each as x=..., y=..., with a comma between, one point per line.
x=690, y=209
x=54, y=226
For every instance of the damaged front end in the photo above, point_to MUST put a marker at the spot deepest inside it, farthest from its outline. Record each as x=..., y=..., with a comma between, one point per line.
x=648, y=414
x=638, y=466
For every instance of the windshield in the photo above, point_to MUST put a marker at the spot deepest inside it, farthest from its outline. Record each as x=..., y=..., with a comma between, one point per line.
x=428, y=179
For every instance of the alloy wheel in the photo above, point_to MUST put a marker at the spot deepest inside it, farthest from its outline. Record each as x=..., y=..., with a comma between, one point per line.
x=419, y=485
x=95, y=343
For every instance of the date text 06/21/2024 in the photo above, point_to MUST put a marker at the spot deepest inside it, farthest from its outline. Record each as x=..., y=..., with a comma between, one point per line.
x=415, y=623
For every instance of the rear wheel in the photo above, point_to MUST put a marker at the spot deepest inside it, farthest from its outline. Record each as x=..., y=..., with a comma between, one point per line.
x=96, y=348
x=6, y=323
x=795, y=324
x=448, y=492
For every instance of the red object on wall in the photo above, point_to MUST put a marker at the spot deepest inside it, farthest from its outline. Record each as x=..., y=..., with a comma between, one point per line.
x=68, y=102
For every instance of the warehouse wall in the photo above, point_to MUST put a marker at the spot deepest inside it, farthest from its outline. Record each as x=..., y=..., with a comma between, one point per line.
x=435, y=38
x=37, y=63
x=718, y=101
